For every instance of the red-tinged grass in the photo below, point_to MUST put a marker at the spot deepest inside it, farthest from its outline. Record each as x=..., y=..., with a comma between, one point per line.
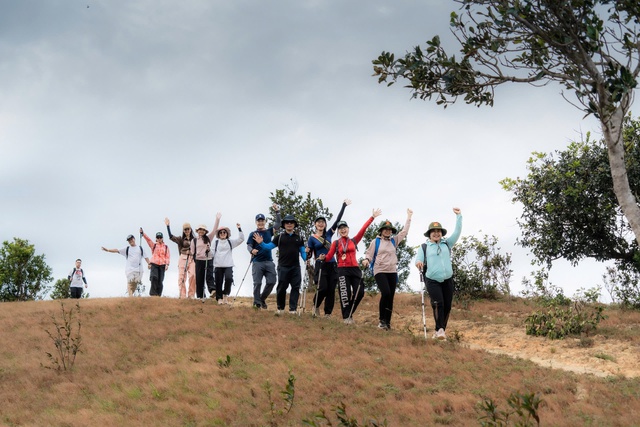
x=161, y=361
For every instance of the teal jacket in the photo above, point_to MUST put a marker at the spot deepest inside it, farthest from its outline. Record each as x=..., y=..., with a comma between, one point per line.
x=439, y=255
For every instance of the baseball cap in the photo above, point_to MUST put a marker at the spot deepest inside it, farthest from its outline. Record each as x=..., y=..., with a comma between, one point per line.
x=129, y=237
x=159, y=235
x=259, y=217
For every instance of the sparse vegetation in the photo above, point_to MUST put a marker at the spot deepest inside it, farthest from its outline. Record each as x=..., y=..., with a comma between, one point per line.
x=154, y=361
x=522, y=412
x=66, y=338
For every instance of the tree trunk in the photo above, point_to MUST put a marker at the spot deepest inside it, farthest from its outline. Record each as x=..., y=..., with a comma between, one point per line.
x=612, y=129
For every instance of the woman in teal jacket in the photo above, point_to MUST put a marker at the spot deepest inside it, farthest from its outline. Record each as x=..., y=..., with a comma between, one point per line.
x=439, y=272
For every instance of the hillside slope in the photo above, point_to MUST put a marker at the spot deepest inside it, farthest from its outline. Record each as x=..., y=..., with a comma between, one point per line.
x=162, y=361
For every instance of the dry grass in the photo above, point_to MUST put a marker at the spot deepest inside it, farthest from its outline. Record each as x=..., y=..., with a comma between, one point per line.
x=152, y=361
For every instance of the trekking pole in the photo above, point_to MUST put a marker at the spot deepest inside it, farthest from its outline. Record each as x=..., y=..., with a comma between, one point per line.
x=424, y=317
x=243, y=277
x=353, y=301
x=317, y=294
x=303, y=302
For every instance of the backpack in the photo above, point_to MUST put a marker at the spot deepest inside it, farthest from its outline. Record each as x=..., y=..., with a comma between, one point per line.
x=74, y=272
x=141, y=254
x=424, y=251
x=375, y=253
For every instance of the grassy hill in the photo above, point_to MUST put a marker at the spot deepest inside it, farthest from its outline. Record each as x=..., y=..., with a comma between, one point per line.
x=170, y=362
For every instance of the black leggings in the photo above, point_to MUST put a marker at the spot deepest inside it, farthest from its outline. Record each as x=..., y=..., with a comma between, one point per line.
x=351, y=289
x=387, y=283
x=202, y=276
x=326, y=276
x=441, y=295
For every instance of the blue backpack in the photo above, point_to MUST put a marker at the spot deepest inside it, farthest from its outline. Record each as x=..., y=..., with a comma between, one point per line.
x=375, y=253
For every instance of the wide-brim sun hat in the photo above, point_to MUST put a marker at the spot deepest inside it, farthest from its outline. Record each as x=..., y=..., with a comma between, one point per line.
x=202, y=227
x=289, y=218
x=186, y=225
x=223, y=229
x=435, y=226
x=387, y=224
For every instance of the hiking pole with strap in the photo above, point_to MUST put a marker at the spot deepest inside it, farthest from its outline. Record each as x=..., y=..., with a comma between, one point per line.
x=353, y=301
x=243, y=277
x=302, y=303
x=424, y=317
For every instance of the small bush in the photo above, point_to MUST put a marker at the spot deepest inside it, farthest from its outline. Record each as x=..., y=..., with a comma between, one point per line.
x=66, y=340
x=523, y=411
x=559, y=321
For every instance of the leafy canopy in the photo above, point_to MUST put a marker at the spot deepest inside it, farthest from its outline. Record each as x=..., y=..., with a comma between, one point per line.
x=23, y=274
x=588, y=46
x=570, y=210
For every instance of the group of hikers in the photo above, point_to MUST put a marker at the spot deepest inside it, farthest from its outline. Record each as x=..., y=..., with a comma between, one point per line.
x=205, y=258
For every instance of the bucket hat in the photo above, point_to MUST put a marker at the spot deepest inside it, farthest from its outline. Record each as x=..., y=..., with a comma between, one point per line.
x=435, y=226
x=386, y=224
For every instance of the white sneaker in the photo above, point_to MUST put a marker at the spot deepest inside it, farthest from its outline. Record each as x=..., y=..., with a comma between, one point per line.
x=441, y=335
x=435, y=335
x=349, y=321
x=220, y=302
x=293, y=312
x=278, y=312
x=316, y=312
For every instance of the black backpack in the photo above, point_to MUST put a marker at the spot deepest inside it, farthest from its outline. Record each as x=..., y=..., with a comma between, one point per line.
x=424, y=252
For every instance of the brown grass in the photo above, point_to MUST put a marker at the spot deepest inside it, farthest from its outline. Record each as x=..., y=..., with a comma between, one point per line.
x=154, y=361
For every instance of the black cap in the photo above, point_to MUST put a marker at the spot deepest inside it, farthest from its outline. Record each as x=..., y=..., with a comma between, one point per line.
x=159, y=235
x=129, y=237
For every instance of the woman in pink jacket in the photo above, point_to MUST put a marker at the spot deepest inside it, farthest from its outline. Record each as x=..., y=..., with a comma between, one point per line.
x=382, y=258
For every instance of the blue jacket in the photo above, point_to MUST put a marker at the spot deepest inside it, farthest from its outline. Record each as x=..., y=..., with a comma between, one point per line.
x=439, y=255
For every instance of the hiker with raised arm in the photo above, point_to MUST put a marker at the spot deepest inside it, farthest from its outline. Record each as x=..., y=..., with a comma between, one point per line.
x=290, y=245
x=434, y=262
x=160, y=260
x=186, y=264
x=350, y=286
x=201, y=249
x=381, y=256
x=325, y=272
x=223, y=261
x=262, y=265
x=133, y=269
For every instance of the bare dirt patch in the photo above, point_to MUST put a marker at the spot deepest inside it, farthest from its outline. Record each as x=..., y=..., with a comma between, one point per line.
x=603, y=356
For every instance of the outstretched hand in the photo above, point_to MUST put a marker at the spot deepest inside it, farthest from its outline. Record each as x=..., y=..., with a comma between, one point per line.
x=258, y=238
x=166, y=222
x=376, y=212
x=347, y=202
x=456, y=211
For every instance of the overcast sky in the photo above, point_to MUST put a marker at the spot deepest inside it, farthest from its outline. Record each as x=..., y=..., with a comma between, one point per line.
x=115, y=114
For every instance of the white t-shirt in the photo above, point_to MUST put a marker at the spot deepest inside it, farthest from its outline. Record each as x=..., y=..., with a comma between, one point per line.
x=76, y=278
x=134, y=260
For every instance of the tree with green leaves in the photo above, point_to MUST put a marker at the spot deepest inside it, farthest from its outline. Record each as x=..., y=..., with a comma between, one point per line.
x=405, y=257
x=570, y=210
x=61, y=289
x=480, y=269
x=591, y=47
x=23, y=274
x=304, y=208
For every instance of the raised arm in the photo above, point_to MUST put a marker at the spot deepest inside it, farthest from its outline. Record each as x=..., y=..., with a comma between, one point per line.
x=345, y=203
x=405, y=230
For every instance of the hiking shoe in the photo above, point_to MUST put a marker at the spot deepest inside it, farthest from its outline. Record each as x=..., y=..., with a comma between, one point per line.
x=220, y=302
x=256, y=305
x=349, y=321
x=278, y=312
x=383, y=325
x=316, y=312
x=441, y=335
x=327, y=316
x=263, y=305
x=293, y=312
x=435, y=335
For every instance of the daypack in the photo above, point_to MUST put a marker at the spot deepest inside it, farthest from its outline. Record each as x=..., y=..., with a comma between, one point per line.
x=74, y=272
x=375, y=253
x=141, y=253
x=424, y=251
